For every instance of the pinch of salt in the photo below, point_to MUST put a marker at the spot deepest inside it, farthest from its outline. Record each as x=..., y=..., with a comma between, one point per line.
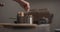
x=22, y=13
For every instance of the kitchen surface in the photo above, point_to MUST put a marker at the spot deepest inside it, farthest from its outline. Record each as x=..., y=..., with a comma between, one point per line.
x=44, y=16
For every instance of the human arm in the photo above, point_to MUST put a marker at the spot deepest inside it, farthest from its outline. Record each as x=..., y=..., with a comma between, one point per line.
x=24, y=4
